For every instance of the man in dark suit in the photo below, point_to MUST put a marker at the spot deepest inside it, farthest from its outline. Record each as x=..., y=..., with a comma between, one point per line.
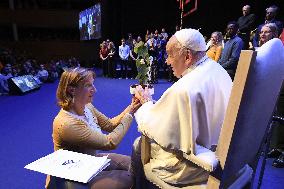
x=246, y=24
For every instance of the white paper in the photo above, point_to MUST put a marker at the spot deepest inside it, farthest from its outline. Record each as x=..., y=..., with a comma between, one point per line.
x=70, y=165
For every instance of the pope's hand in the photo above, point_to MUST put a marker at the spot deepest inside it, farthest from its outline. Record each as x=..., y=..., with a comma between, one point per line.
x=143, y=94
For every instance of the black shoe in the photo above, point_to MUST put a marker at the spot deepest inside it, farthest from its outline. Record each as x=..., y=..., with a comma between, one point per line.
x=279, y=162
x=274, y=153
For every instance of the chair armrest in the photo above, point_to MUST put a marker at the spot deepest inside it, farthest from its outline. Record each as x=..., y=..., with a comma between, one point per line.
x=145, y=149
x=204, y=158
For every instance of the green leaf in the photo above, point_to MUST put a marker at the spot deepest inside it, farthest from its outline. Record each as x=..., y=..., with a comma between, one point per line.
x=142, y=69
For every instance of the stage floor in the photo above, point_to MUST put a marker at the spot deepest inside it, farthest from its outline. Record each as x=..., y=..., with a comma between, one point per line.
x=26, y=127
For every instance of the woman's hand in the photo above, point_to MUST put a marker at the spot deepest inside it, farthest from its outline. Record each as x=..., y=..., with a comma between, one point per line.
x=134, y=106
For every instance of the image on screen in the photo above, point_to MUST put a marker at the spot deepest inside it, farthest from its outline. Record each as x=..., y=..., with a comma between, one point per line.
x=90, y=23
x=25, y=83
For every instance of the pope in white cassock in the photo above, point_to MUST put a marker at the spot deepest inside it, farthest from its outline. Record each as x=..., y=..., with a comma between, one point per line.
x=188, y=115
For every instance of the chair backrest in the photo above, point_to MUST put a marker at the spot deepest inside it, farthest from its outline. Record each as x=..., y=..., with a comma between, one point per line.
x=255, y=91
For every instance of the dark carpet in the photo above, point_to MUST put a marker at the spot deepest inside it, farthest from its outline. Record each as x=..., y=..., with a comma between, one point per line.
x=26, y=127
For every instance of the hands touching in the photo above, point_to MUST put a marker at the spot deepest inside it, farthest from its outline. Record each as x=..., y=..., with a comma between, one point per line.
x=143, y=95
x=134, y=106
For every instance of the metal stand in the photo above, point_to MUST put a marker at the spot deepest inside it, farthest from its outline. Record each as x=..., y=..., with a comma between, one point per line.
x=275, y=122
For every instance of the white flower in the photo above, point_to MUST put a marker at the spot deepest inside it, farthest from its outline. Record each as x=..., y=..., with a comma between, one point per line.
x=151, y=60
x=142, y=61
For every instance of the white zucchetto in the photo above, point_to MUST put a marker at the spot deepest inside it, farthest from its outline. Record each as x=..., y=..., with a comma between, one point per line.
x=192, y=39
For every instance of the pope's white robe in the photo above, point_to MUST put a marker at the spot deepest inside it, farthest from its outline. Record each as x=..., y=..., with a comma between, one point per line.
x=189, y=113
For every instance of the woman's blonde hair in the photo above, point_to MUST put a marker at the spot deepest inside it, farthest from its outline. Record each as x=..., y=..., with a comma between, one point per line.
x=219, y=37
x=70, y=77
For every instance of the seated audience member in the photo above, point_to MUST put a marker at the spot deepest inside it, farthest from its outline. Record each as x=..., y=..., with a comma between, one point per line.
x=270, y=17
x=7, y=71
x=232, y=49
x=4, y=88
x=78, y=127
x=52, y=73
x=42, y=74
x=267, y=32
x=15, y=71
x=189, y=113
x=60, y=66
x=5, y=74
x=215, y=49
x=246, y=24
x=28, y=69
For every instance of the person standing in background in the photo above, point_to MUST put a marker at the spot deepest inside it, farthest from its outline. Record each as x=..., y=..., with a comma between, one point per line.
x=246, y=24
x=103, y=57
x=111, y=62
x=124, y=52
